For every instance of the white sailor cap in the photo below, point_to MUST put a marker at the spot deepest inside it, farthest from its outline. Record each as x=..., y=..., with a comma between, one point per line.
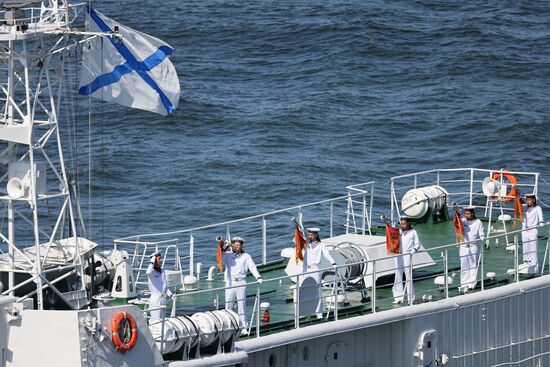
x=314, y=229
x=156, y=253
x=530, y=195
x=406, y=217
x=235, y=239
x=469, y=208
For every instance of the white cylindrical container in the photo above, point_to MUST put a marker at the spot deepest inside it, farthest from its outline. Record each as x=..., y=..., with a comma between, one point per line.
x=416, y=202
x=229, y=321
x=178, y=332
x=209, y=327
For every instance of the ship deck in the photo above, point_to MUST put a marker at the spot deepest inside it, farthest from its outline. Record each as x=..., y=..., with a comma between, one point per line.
x=348, y=219
x=497, y=258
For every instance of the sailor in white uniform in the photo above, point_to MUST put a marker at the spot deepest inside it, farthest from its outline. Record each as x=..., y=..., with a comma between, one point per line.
x=312, y=259
x=409, y=243
x=156, y=280
x=238, y=264
x=532, y=219
x=473, y=230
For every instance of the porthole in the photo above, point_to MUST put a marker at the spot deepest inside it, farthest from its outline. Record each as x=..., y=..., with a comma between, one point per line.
x=272, y=360
x=305, y=353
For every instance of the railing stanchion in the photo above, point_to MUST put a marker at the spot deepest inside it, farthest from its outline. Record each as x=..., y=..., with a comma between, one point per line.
x=482, y=268
x=410, y=279
x=373, y=297
x=472, y=189
x=446, y=262
x=335, y=294
x=191, y=253
x=370, y=208
x=391, y=200
x=162, y=335
x=264, y=241
x=297, y=303
x=516, y=266
x=331, y=217
x=363, y=225
x=258, y=310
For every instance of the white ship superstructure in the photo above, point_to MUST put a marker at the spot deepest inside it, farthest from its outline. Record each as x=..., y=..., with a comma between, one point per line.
x=64, y=303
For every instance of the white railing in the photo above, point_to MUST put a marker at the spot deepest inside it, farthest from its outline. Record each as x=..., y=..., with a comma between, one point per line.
x=267, y=229
x=367, y=191
x=442, y=266
x=464, y=186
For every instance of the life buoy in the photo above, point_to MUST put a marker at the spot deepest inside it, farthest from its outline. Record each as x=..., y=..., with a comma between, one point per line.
x=124, y=331
x=511, y=179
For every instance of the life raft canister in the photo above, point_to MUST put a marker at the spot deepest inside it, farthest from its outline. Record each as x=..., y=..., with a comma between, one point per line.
x=124, y=331
x=511, y=179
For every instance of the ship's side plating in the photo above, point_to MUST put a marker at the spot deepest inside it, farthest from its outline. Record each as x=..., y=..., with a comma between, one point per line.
x=509, y=324
x=70, y=338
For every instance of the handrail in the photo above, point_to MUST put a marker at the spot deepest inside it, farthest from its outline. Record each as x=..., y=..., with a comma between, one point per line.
x=256, y=216
x=277, y=280
x=434, y=177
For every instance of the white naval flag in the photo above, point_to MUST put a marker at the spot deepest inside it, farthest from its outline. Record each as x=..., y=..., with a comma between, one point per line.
x=132, y=70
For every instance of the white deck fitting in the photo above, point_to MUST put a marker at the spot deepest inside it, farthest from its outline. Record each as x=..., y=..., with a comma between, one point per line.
x=374, y=248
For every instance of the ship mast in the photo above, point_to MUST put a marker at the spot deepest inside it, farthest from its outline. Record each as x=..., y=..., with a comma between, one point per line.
x=34, y=183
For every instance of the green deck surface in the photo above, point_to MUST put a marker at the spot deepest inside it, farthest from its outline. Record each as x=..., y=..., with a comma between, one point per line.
x=496, y=259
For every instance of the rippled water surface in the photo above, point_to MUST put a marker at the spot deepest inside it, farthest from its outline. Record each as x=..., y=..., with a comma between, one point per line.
x=286, y=102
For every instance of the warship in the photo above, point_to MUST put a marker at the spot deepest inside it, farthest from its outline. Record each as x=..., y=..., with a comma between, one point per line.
x=66, y=302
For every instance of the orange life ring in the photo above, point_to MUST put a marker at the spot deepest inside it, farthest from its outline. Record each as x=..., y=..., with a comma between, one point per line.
x=120, y=324
x=511, y=179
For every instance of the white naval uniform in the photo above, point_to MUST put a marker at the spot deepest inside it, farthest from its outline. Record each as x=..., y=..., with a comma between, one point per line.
x=158, y=288
x=532, y=218
x=312, y=259
x=473, y=230
x=408, y=244
x=237, y=266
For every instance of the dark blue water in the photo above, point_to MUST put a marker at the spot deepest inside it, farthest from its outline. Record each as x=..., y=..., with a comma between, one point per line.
x=286, y=102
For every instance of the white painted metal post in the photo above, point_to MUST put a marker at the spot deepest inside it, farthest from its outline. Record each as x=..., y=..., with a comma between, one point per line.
x=545, y=254
x=331, y=217
x=297, y=303
x=348, y=213
x=370, y=209
x=335, y=294
x=391, y=200
x=264, y=241
x=191, y=253
x=258, y=310
x=489, y=224
x=162, y=335
x=482, y=268
x=516, y=254
x=446, y=264
x=503, y=225
x=410, y=276
x=373, y=297
x=363, y=225
x=11, y=251
x=472, y=187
